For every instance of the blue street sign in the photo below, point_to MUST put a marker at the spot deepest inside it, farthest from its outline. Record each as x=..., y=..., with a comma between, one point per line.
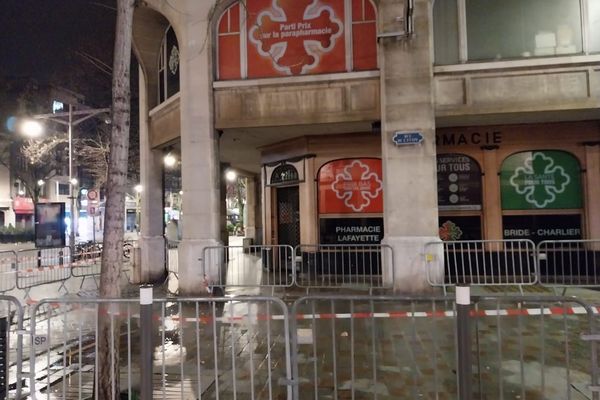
x=405, y=138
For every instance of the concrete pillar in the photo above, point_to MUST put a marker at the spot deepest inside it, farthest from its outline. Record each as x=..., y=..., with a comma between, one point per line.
x=250, y=208
x=269, y=196
x=223, y=206
x=258, y=211
x=410, y=190
x=308, y=205
x=151, y=199
x=592, y=185
x=492, y=207
x=199, y=148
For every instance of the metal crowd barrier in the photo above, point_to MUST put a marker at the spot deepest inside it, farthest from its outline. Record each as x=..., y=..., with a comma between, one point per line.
x=216, y=348
x=248, y=266
x=87, y=263
x=410, y=348
x=37, y=267
x=8, y=271
x=564, y=263
x=481, y=263
x=11, y=347
x=336, y=266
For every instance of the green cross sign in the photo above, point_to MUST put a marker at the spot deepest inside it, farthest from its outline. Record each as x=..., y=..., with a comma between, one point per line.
x=540, y=180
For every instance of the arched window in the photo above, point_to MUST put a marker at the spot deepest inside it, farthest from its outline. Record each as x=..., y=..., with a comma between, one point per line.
x=350, y=193
x=541, y=196
x=284, y=174
x=259, y=39
x=168, y=66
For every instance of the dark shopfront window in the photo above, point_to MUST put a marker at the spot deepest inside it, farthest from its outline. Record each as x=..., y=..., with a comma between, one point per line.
x=459, y=197
x=541, y=196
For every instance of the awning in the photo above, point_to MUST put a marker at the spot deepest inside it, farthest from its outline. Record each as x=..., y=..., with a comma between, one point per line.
x=23, y=205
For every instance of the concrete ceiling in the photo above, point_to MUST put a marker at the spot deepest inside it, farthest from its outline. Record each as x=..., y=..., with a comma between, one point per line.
x=240, y=147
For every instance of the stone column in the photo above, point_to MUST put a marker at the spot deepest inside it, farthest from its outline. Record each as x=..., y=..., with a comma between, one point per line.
x=410, y=192
x=152, y=241
x=308, y=205
x=199, y=149
x=492, y=207
x=592, y=184
x=258, y=211
x=250, y=208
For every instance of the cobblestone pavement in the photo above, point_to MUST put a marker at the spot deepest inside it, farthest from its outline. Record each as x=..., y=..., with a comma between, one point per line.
x=346, y=349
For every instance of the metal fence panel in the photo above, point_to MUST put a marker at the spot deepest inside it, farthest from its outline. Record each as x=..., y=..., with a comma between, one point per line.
x=385, y=347
x=533, y=347
x=248, y=266
x=11, y=347
x=8, y=270
x=335, y=266
x=481, y=262
x=218, y=348
x=565, y=263
x=42, y=266
x=86, y=260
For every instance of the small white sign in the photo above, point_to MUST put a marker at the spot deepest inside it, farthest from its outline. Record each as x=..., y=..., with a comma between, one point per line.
x=39, y=341
x=305, y=336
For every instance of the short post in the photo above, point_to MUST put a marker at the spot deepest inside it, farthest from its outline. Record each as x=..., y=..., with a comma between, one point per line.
x=146, y=301
x=463, y=332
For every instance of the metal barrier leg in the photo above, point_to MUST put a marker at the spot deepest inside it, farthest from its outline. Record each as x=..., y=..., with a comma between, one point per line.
x=146, y=341
x=62, y=286
x=463, y=331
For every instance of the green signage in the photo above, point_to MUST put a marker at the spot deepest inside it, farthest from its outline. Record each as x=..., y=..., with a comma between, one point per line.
x=540, y=180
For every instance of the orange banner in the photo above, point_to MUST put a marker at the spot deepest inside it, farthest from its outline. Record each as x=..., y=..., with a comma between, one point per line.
x=351, y=186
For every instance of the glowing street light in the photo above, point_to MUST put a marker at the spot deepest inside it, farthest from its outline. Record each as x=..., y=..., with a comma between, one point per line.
x=32, y=129
x=40, y=182
x=231, y=176
x=138, y=188
x=170, y=160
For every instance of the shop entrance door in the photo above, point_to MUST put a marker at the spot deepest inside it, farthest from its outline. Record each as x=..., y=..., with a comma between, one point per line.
x=288, y=216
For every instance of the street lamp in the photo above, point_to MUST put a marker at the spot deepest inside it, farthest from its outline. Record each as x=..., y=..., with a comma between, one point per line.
x=33, y=129
x=170, y=160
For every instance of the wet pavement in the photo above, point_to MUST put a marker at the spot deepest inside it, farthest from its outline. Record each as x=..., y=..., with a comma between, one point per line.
x=342, y=348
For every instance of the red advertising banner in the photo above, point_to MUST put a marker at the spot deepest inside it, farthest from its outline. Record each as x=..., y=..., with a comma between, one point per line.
x=351, y=186
x=296, y=37
x=293, y=37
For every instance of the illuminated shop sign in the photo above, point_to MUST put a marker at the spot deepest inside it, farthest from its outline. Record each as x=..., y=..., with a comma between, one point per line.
x=295, y=34
x=485, y=138
x=542, y=227
x=540, y=180
x=50, y=224
x=351, y=231
x=459, y=182
x=296, y=37
x=351, y=186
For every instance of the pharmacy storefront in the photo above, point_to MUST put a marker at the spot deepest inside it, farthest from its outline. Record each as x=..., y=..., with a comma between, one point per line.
x=525, y=182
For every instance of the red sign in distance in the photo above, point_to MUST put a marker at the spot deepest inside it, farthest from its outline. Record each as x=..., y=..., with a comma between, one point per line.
x=351, y=186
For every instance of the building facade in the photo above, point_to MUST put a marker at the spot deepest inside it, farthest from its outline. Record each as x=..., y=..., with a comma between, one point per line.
x=359, y=121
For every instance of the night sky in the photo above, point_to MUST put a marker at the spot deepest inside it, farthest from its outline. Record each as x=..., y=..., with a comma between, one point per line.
x=40, y=37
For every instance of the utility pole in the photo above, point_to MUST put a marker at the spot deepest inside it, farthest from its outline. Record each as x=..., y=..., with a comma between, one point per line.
x=68, y=119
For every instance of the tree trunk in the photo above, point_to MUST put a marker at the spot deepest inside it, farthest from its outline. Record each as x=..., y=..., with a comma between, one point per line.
x=112, y=253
